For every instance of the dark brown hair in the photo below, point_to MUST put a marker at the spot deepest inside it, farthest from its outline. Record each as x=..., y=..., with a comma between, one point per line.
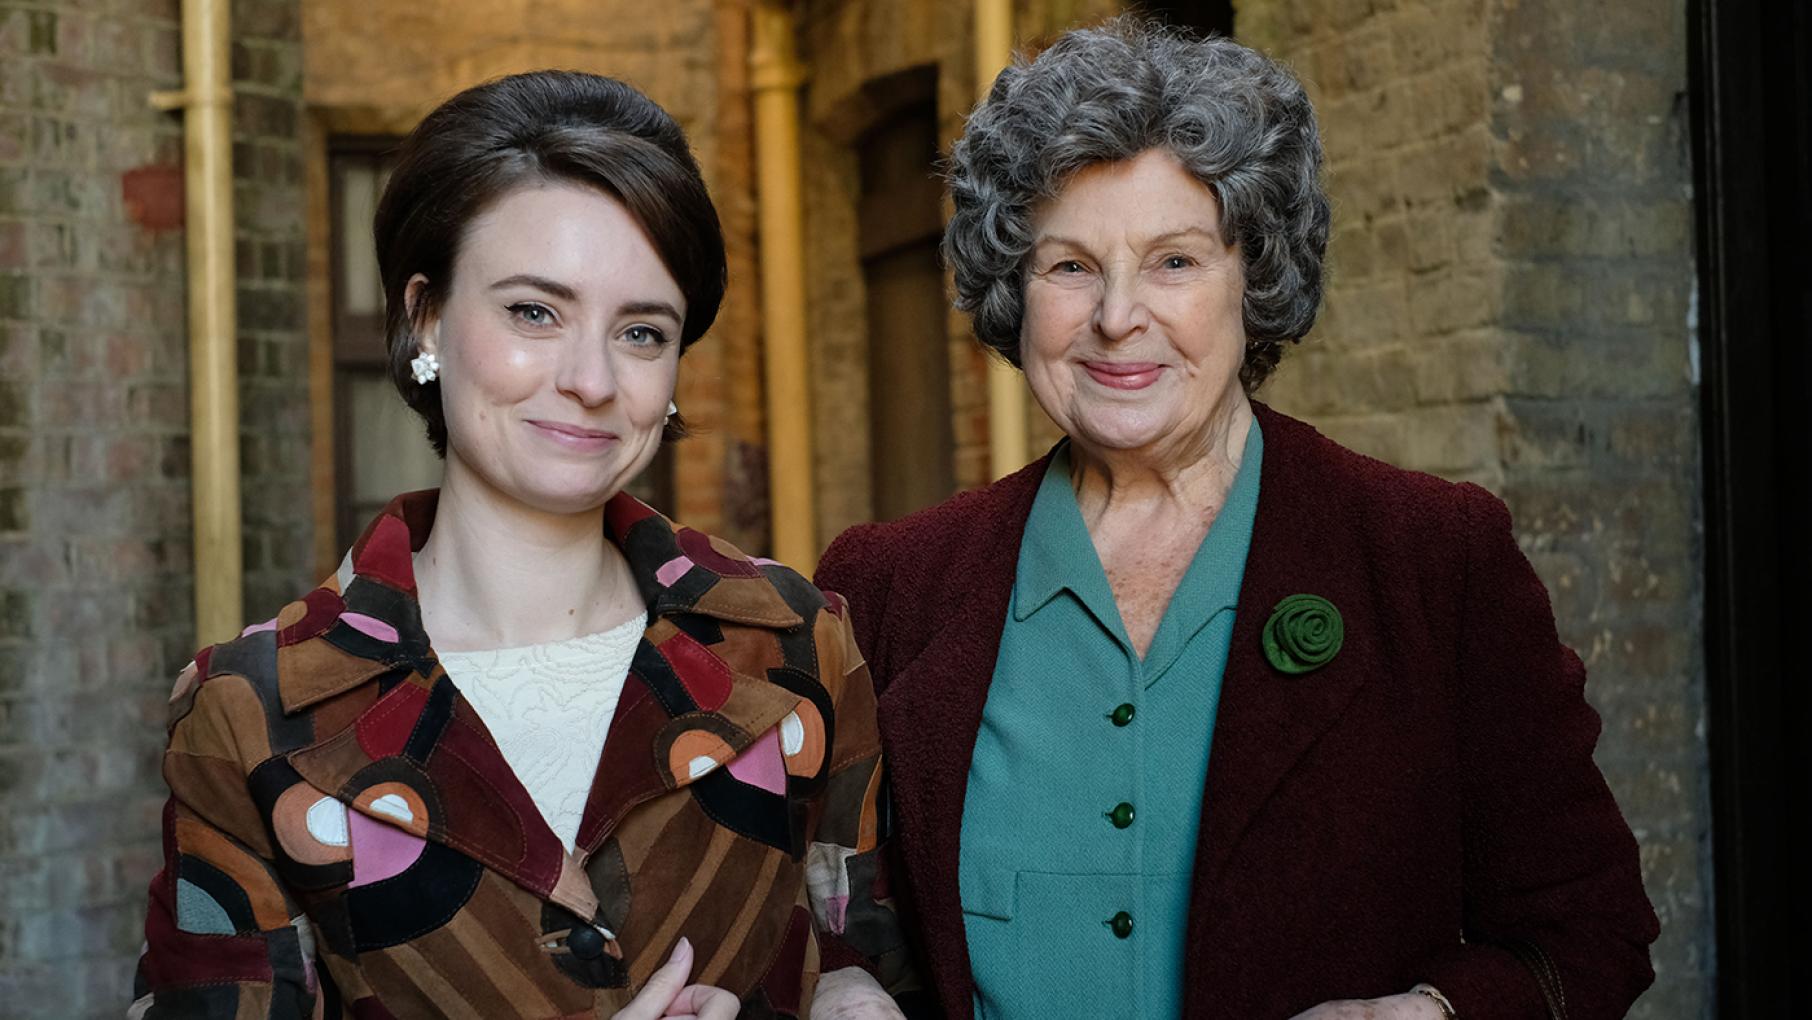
x=526, y=129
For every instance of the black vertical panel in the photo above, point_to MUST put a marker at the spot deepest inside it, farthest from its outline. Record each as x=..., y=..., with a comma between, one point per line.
x=1752, y=113
x=1204, y=17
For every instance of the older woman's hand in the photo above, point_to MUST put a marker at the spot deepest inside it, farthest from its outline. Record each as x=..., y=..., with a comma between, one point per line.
x=668, y=995
x=1408, y=1006
x=852, y=994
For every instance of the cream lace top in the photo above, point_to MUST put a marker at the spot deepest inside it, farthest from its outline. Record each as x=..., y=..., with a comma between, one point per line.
x=548, y=707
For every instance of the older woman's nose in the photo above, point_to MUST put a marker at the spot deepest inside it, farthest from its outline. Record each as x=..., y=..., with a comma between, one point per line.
x=1121, y=313
x=585, y=373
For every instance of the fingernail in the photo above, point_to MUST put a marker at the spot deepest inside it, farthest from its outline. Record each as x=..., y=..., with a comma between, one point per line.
x=683, y=944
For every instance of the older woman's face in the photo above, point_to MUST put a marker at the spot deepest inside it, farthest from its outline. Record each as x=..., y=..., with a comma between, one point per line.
x=559, y=347
x=1133, y=336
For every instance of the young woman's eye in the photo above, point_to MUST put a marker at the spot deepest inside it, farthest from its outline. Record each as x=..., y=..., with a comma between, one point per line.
x=531, y=314
x=644, y=336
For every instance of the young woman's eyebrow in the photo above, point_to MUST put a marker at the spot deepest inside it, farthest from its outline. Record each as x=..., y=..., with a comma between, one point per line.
x=650, y=308
x=551, y=287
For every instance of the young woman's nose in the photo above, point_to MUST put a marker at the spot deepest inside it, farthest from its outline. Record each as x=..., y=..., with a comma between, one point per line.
x=585, y=373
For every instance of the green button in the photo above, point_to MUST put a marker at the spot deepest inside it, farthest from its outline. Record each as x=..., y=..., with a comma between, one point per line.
x=1121, y=923
x=1122, y=715
x=1121, y=815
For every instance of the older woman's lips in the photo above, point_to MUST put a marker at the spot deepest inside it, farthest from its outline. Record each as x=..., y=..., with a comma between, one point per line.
x=1124, y=375
x=574, y=437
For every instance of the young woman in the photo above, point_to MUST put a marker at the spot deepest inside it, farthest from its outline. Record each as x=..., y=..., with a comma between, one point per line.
x=535, y=750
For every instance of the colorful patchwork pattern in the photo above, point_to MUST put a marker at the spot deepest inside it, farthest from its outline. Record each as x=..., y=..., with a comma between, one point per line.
x=344, y=839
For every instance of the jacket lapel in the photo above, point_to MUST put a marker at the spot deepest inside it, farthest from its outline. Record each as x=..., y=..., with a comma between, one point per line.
x=1267, y=719
x=685, y=710
x=412, y=753
x=931, y=712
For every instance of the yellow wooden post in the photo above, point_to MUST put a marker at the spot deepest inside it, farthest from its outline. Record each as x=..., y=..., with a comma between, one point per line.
x=1007, y=441
x=207, y=103
x=775, y=76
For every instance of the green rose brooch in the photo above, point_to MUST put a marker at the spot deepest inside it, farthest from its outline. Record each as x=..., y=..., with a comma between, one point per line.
x=1303, y=634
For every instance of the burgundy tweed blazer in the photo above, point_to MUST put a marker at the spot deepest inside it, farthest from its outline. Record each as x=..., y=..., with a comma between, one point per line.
x=1423, y=808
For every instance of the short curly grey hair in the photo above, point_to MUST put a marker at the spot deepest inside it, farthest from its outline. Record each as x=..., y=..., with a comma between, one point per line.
x=1236, y=120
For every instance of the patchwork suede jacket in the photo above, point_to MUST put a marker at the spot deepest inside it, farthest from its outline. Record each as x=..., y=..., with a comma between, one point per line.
x=344, y=839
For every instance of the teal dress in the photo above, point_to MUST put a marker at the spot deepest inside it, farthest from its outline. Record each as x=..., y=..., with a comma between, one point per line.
x=1085, y=791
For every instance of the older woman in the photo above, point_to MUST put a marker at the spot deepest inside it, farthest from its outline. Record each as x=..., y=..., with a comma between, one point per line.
x=533, y=739
x=1399, y=816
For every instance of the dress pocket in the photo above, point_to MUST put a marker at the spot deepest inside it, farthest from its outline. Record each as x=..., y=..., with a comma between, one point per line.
x=1040, y=944
x=989, y=897
x=990, y=893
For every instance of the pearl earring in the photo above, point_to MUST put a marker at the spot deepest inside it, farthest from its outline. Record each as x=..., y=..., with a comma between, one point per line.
x=672, y=408
x=425, y=367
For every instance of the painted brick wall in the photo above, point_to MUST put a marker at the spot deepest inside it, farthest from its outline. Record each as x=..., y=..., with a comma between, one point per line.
x=1510, y=303
x=95, y=613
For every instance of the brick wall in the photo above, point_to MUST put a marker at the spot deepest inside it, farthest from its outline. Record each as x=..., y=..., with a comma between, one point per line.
x=271, y=253
x=1509, y=303
x=95, y=597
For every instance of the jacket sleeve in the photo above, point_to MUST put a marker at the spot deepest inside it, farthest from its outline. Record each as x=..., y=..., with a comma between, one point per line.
x=223, y=938
x=846, y=871
x=1554, y=910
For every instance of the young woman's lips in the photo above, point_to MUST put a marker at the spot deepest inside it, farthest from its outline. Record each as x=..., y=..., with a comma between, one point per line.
x=1124, y=375
x=574, y=437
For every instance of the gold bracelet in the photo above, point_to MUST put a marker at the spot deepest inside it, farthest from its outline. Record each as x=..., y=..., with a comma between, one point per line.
x=1447, y=1010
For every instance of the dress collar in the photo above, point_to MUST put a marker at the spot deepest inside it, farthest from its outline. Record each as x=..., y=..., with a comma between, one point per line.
x=1058, y=555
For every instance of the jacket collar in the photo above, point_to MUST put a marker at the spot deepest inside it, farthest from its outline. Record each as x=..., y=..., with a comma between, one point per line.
x=677, y=569
x=404, y=729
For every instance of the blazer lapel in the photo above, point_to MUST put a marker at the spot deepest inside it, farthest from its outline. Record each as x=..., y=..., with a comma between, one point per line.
x=414, y=754
x=931, y=712
x=1267, y=720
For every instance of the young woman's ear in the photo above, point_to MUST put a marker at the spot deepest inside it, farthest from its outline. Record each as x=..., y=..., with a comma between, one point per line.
x=427, y=333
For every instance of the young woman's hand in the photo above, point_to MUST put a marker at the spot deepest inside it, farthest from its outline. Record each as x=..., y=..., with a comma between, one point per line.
x=668, y=995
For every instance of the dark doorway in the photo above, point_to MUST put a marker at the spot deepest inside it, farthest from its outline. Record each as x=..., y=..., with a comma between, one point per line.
x=1752, y=113
x=908, y=333
x=1206, y=17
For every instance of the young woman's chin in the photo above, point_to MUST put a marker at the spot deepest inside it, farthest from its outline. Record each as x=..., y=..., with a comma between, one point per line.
x=554, y=488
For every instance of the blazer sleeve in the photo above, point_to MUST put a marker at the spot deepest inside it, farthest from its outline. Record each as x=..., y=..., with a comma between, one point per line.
x=855, y=568
x=224, y=940
x=846, y=871
x=1554, y=909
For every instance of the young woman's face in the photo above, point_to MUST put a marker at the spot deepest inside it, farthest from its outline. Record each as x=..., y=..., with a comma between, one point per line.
x=559, y=348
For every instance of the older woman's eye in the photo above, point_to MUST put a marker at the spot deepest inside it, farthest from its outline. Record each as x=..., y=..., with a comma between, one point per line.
x=1070, y=267
x=1178, y=262
x=530, y=313
x=644, y=336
